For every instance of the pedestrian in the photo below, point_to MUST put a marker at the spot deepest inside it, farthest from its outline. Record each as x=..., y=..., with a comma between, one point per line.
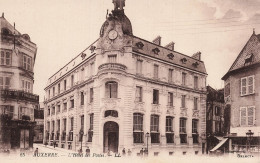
x=87, y=151
x=123, y=152
x=141, y=152
x=54, y=144
x=36, y=152
x=129, y=152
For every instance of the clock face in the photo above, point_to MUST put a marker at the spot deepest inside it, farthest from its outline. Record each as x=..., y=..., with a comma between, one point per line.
x=112, y=34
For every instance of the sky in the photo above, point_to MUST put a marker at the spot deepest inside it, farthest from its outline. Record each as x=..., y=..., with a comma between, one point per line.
x=62, y=29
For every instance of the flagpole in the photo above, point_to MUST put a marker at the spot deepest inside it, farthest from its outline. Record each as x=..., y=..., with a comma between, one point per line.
x=14, y=35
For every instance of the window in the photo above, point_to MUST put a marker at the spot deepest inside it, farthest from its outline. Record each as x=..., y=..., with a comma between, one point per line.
x=27, y=62
x=24, y=113
x=65, y=106
x=217, y=111
x=91, y=68
x=91, y=94
x=59, y=88
x=155, y=71
x=82, y=73
x=155, y=135
x=195, y=82
x=170, y=75
x=183, y=135
x=155, y=96
x=65, y=85
x=227, y=90
x=111, y=89
x=72, y=103
x=170, y=99
x=6, y=58
x=169, y=130
x=53, y=110
x=49, y=111
x=111, y=113
x=64, y=124
x=184, y=78
x=71, y=123
x=195, y=131
x=53, y=91
x=82, y=98
x=138, y=94
x=169, y=124
x=58, y=108
x=247, y=116
x=195, y=100
x=5, y=82
x=72, y=80
x=49, y=93
x=82, y=122
x=112, y=59
x=247, y=85
x=138, y=128
x=7, y=110
x=139, y=66
x=183, y=101
x=58, y=125
x=90, y=132
x=26, y=86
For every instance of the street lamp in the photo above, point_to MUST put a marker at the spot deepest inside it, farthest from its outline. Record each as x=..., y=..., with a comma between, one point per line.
x=81, y=132
x=147, y=136
x=249, y=135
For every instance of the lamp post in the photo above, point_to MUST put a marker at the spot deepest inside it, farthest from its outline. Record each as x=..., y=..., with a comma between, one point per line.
x=249, y=135
x=81, y=137
x=147, y=136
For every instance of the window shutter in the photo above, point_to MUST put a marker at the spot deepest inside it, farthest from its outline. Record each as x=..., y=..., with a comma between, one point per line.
x=251, y=115
x=243, y=86
x=243, y=116
x=251, y=82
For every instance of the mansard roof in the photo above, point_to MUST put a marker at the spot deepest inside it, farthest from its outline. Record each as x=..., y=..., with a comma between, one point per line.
x=249, y=55
x=156, y=51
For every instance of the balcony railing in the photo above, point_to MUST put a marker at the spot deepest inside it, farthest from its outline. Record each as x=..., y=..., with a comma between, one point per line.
x=19, y=95
x=112, y=66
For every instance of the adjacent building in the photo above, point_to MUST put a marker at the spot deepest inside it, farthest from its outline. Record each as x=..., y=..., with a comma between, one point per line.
x=242, y=101
x=39, y=123
x=215, y=117
x=17, y=101
x=126, y=92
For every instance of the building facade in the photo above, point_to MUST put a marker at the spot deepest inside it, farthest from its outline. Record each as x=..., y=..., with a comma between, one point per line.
x=215, y=117
x=39, y=123
x=242, y=88
x=17, y=102
x=126, y=92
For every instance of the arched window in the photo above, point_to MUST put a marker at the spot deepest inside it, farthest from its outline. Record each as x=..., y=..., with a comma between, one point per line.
x=111, y=89
x=111, y=113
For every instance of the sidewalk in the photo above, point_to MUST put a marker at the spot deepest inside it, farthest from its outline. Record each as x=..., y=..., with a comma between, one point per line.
x=48, y=148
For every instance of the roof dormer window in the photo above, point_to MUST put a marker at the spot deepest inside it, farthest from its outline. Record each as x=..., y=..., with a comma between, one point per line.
x=249, y=59
x=183, y=60
x=170, y=56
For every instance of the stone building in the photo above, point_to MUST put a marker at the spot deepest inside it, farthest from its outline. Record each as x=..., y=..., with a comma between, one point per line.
x=17, y=102
x=242, y=88
x=123, y=90
x=215, y=117
x=39, y=123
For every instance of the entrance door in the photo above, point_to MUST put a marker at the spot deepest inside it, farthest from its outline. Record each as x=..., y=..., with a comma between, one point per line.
x=111, y=134
x=24, y=139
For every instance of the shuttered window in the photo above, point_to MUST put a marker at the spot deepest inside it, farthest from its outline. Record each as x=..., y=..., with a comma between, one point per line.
x=247, y=116
x=247, y=85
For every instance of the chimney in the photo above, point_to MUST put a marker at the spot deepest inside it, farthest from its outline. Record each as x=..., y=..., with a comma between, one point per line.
x=157, y=40
x=196, y=55
x=170, y=46
x=3, y=15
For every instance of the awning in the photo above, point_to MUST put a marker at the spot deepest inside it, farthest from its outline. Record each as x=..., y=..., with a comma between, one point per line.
x=219, y=145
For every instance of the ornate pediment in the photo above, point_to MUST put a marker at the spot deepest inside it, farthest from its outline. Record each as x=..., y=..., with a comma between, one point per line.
x=183, y=112
x=195, y=114
x=110, y=103
x=92, y=48
x=139, y=107
x=156, y=109
x=83, y=55
x=170, y=110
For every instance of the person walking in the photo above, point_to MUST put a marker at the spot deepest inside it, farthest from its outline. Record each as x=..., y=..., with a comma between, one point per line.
x=88, y=151
x=129, y=152
x=123, y=152
x=142, y=152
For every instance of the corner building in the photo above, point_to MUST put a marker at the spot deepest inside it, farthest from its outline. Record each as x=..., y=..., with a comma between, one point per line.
x=122, y=91
x=17, y=102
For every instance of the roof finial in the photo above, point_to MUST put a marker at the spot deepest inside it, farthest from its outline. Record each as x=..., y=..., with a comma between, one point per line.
x=254, y=31
x=3, y=14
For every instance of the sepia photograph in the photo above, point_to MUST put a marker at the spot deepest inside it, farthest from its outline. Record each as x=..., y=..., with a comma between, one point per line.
x=130, y=80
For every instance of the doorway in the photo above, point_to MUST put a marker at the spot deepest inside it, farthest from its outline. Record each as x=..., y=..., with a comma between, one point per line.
x=111, y=137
